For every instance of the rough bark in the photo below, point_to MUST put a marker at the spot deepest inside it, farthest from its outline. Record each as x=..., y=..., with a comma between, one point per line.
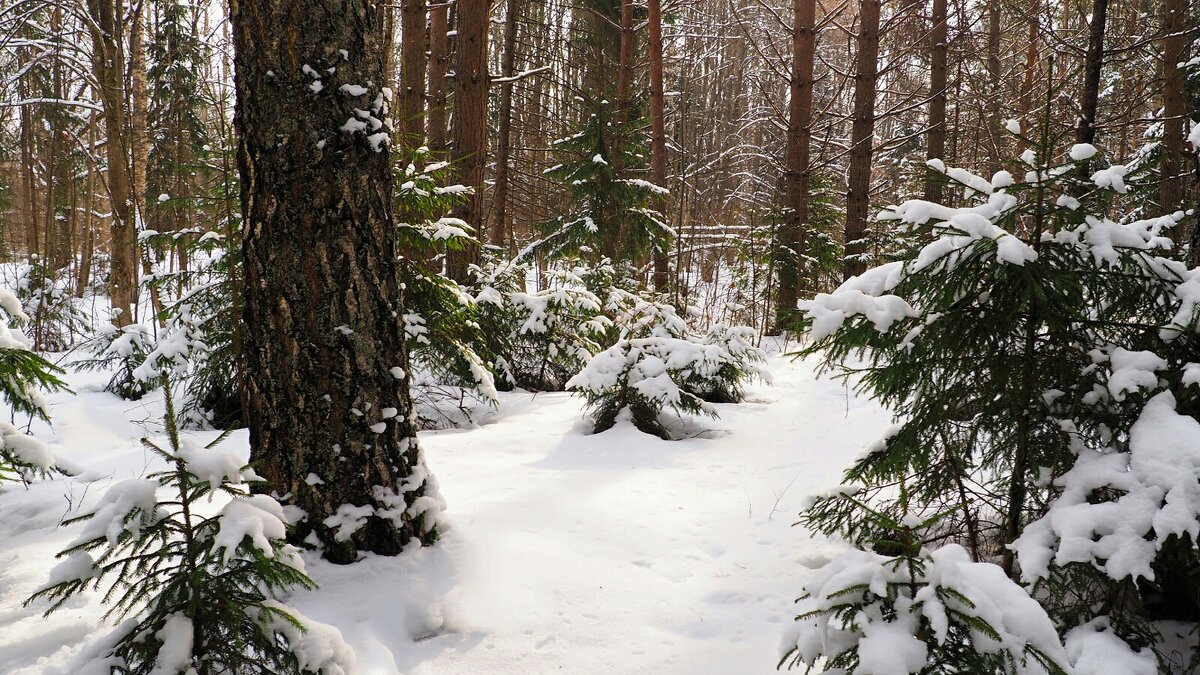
x=658, y=134
x=1171, y=188
x=935, y=147
x=797, y=171
x=412, y=74
x=858, y=182
x=439, y=61
x=326, y=389
x=994, y=91
x=1089, y=102
x=504, y=136
x=625, y=66
x=108, y=65
x=470, y=124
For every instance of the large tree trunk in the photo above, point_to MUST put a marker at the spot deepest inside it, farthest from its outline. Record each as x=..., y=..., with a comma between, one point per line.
x=412, y=74
x=504, y=137
x=936, y=142
x=470, y=124
x=108, y=65
x=858, y=185
x=796, y=174
x=326, y=394
x=658, y=134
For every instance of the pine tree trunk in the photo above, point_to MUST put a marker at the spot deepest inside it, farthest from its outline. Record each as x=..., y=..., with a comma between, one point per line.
x=108, y=65
x=936, y=145
x=504, y=136
x=796, y=175
x=1174, y=50
x=412, y=74
x=439, y=60
x=326, y=389
x=658, y=135
x=1089, y=102
x=994, y=89
x=625, y=66
x=470, y=124
x=858, y=191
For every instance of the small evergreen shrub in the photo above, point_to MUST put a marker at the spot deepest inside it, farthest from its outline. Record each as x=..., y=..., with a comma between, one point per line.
x=640, y=377
x=1019, y=344
x=53, y=322
x=611, y=205
x=24, y=376
x=123, y=351
x=202, y=589
x=448, y=351
x=916, y=610
x=542, y=338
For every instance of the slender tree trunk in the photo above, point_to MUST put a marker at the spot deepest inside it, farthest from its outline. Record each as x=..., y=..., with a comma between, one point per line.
x=439, y=60
x=796, y=177
x=504, y=137
x=858, y=191
x=625, y=65
x=1171, y=189
x=936, y=145
x=88, y=235
x=470, y=124
x=108, y=65
x=994, y=89
x=1089, y=102
x=326, y=394
x=658, y=136
x=412, y=74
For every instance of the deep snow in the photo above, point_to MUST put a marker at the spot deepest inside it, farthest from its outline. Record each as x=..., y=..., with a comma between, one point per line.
x=567, y=552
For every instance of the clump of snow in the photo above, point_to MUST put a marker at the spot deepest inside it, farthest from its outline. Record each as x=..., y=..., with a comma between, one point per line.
x=25, y=448
x=1082, y=151
x=175, y=652
x=1112, y=178
x=1159, y=497
x=348, y=519
x=319, y=647
x=1132, y=371
x=258, y=518
x=133, y=497
x=1094, y=649
x=214, y=465
x=77, y=566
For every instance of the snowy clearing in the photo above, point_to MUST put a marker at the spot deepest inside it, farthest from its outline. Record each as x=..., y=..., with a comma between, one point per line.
x=567, y=552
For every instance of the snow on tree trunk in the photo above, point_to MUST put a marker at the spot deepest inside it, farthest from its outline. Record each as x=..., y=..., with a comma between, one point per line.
x=326, y=393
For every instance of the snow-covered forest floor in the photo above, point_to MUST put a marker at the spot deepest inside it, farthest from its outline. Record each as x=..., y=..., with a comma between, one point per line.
x=567, y=552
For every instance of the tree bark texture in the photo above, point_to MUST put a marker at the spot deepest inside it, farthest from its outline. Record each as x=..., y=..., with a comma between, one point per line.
x=439, y=62
x=504, y=136
x=326, y=389
x=797, y=172
x=470, y=124
x=858, y=192
x=658, y=134
x=1089, y=102
x=411, y=124
x=936, y=141
x=1174, y=49
x=108, y=66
